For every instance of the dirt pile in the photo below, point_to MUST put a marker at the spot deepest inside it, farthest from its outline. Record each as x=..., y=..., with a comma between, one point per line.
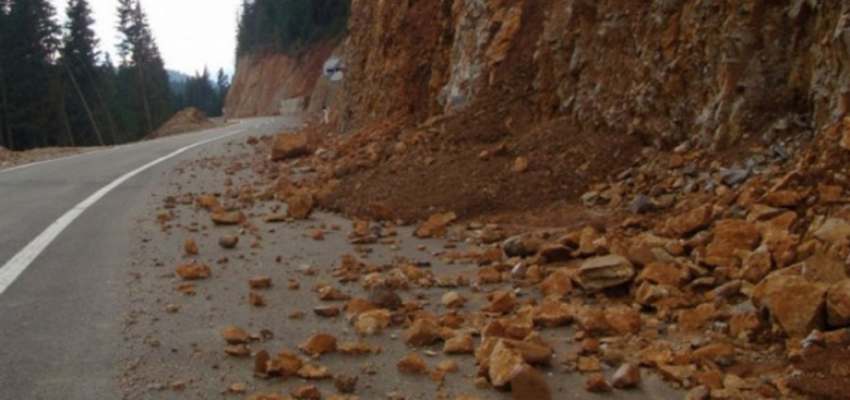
x=186, y=120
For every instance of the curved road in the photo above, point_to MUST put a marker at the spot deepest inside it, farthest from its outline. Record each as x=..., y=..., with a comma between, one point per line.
x=61, y=301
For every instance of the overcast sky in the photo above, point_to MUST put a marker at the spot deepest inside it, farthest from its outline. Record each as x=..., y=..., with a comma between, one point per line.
x=190, y=33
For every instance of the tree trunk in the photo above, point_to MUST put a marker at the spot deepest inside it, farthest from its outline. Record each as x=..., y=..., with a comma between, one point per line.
x=85, y=105
x=112, y=130
x=5, y=131
x=145, y=103
x=67, y=123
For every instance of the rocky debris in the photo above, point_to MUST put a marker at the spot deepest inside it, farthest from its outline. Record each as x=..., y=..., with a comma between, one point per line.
x=423, y=332
x=557, y=284
x=235, y=335
x=604, y=272
x=290, y=145
x=319, y=344
x=260, y=282
x=228, y=241
x=193, y=271
x=255, y=299
x=596, y=383
x=794, y=303
x=306, y=392
x=300, y=206
x=190, y=247
x=413, y=363
x=345, y=383
x=459, y=344
x=372, y=322
x=227, y=217
x=505, y=364
x=436, y=225
x=627, y=376
x=453, y=300
x=821, y=368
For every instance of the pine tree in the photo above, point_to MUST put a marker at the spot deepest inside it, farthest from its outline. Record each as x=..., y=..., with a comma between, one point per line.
x=31, y=40
x=142, y=70
x=4, y=102
x=222, y=87
x=79, y=60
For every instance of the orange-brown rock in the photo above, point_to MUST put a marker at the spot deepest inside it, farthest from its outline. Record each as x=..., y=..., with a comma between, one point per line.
x=530, y=384
x=423, y=332
x=552, y=313
x=306, y=392
x=319, y=344
x=604, y=272
x=623, y=319
x=838, y=304
x=372, y=322
x=300, y=205
x=255, y=299
x=460, y=344
x=626, y=377
x=228, y=241
x=557, y=284
x=285, y=364
x=190, y=247
x=596, y=383
x=689, y=222
x=732, y=239
x=235, y=335
x=795, y=304
x=228, y=217
x=665, y=273
x=413, y=363
x=290, y=145
x=502, y=302
x=504, y=364
x=260, y=282
x=436, y=225
x=193, y=271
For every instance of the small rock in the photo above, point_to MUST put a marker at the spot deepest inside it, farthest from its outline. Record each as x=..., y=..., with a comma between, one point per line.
x=260, y=282
x=413, y=363
x=626, y=377
x=235, y=335
x=319, y=344
x=228, y=241
x=453, y=300
x=604, y=272
x=435, y=226
x=596, y=383
x=190, y=247
x=530, y=384
x=193, y=271
x=505, y=363
x=227, y=218
x=345, y=384
x=422, y=332
x=308, y=392
x=460, y=344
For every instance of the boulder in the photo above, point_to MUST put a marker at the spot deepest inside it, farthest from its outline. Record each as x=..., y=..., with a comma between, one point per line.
x=604, y=272
x=795, y=303
x=689, y=222
x=319, y=344
x=557, y=284
x=300, y=205
x=626, y=377
x=732, y=237
x=290, y=145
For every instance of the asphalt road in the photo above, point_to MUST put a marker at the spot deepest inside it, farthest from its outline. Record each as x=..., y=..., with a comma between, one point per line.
x=61, y=319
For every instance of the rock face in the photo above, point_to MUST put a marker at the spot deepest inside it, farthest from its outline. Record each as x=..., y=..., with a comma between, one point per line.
x=672, y=53
x=262, y=82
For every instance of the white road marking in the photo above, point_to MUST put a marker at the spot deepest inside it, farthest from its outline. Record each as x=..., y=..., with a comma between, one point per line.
x=10, y=271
